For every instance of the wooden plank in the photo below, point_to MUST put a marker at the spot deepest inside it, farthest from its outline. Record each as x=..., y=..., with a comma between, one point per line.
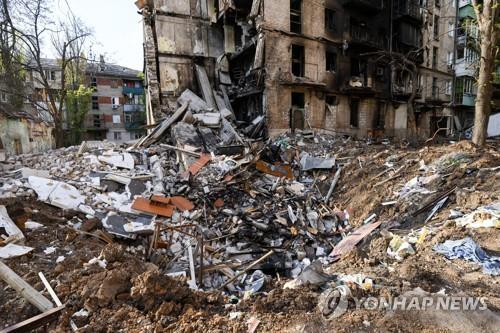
x=35, y=322
x=206, y=88
x=49, y=289
x=24, y=289
x=156, y=134
x=348, y=243
x=259, y=52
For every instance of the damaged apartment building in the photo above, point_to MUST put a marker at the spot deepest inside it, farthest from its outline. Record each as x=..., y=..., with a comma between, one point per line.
x=322, y=64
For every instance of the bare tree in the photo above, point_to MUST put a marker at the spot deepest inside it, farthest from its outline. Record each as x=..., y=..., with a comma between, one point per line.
x=11, y=74
x=486, y=16
x=68, y=37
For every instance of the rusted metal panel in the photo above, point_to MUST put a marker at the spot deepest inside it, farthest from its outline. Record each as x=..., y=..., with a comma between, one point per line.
x=278, y=169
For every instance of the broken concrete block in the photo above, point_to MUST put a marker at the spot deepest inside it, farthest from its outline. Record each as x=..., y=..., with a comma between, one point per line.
x=118, y=160
x=209, y=119
x=308, y=162
x=12, y=230
x=14, y=250
x=56, y=193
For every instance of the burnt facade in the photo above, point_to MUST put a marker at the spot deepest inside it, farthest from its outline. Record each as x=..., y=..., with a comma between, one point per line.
x=300, y=64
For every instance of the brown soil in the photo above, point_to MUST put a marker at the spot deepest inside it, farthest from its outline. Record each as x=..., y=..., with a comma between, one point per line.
x=131, y=295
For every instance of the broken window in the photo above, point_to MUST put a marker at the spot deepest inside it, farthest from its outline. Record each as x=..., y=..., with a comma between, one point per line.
x=115, y=101
x=435, y=91
x=50, y=75
x=460, y=52
x=97, y=121
x=330, y=22
x=298, y=60
x=450, y=60
x=95, y=103
x=117, y=135
x=354, y=114
x=469, y=86
x=330, y=103
x=296, y=16
x=409, y=34
x=331, y=100
x=3, y=97
x=434, y=57
x=93, y=82
x=451, y=29
x=448, y=88
x=436, y=27
x=359, y=69
x=437, y=3
x=331, y=61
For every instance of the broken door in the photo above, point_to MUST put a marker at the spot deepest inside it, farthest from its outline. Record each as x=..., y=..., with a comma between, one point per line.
x=297, y=116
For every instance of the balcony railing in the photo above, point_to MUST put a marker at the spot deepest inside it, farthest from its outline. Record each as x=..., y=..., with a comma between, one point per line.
x=133, y=108
x=133, y=90
x=408, y=9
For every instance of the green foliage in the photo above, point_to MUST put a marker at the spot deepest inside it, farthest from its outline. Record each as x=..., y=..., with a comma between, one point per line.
x=77, y=105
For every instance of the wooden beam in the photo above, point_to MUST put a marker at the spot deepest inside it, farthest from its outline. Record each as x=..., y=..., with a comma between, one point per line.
x=35, y=322
x=24, y=289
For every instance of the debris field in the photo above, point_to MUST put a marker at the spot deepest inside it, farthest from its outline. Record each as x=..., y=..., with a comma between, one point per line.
x=205, y=226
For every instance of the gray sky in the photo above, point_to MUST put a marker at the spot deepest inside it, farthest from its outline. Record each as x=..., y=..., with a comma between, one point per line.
x=117, y=29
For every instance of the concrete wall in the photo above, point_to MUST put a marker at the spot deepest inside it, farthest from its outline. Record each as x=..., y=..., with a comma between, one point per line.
x=25, y=135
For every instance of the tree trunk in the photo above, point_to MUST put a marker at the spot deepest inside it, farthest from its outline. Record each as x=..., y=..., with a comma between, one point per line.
x=484, y=83
x=58, y=134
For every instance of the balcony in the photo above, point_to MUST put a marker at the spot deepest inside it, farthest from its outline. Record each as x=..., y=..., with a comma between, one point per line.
x=404, y=9
x=133, y=90
x=465, y=99
x=133, y=108
x=465, y=68
x=363, y=5
x=362, y=35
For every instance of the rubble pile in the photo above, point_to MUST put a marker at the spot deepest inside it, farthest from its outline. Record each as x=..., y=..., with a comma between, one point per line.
x=162, y=228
